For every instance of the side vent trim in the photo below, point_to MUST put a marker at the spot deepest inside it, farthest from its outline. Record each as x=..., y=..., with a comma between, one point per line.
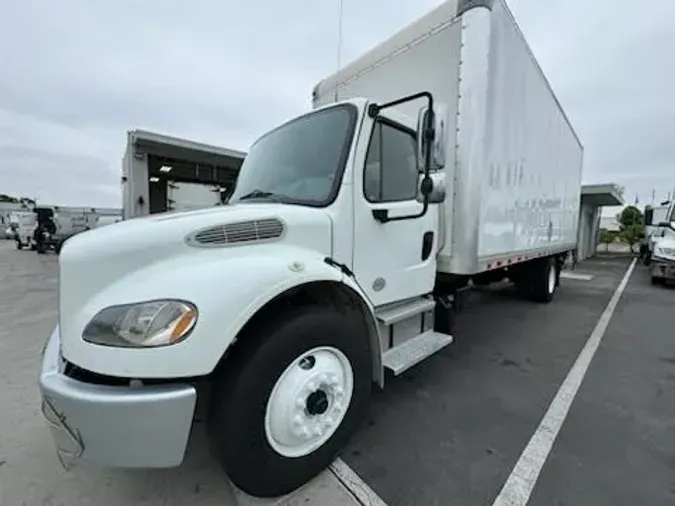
x=237, y=234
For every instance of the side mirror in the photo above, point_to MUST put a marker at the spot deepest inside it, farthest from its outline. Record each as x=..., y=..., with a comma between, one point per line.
x=435, y=131
x=664, y=224
x=433, y=186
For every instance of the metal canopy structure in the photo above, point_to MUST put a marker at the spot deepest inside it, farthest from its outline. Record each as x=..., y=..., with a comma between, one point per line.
x=188, y=161
x=155, y=162
x=593, y=198
x=601, y=195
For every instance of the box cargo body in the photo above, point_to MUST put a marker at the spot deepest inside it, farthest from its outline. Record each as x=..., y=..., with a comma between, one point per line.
x=514, y=161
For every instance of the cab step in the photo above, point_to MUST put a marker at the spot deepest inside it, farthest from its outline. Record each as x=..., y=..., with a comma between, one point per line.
x=394, y=313
x=402, y=357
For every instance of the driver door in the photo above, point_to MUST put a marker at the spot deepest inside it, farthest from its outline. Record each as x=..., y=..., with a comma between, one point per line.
x=394, y=260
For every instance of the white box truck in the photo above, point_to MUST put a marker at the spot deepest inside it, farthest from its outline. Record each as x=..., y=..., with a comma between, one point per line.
x=446, y=159
x=661, y=254
x=654, y=216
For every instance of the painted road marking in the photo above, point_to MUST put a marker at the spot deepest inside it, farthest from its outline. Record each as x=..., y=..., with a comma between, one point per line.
x=520, y=483
x=576, y=276
x=357, y=490
x=355, y=485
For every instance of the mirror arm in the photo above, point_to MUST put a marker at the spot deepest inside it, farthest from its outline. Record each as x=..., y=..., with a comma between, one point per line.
x=382, y=215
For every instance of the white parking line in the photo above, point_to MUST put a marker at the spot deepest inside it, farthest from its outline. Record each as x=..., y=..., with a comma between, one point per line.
x=355, y=485
x=519, y=485
x=576, y=276
x=339, y=485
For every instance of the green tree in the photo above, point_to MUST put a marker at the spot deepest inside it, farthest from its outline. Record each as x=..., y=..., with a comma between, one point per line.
x=607, y=237
x=631, y=223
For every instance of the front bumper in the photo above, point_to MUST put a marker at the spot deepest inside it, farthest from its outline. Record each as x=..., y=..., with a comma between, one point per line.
x=662, y=268
x=114, y=426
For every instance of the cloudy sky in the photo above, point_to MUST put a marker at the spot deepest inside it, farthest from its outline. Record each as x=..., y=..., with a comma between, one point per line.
x=75, y=75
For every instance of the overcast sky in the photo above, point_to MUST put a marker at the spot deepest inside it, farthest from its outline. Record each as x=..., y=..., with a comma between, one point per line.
x=75, y=75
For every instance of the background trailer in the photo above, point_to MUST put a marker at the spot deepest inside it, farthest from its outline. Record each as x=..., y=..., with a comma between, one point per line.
x=162, y=173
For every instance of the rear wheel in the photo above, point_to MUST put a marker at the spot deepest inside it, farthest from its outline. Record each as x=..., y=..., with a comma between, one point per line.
x=290, y=396
x=539, y=280
x=19, y=245
x=545, y=276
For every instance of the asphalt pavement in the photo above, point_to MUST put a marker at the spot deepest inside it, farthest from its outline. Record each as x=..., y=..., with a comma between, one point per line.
x=451, y=430
x=448, y=432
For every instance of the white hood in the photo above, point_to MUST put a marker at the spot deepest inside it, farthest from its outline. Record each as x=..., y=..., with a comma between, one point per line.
x=95, y=262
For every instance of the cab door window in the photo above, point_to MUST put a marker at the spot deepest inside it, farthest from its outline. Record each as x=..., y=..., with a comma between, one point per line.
x=391, y=171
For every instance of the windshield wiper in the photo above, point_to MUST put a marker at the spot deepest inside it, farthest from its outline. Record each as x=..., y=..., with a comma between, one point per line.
x=259, y=194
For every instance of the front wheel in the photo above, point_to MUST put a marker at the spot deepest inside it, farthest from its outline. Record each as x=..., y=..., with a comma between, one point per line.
x=291, y=394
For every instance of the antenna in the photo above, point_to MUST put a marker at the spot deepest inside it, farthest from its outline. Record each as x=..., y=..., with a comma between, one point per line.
x=339, y=45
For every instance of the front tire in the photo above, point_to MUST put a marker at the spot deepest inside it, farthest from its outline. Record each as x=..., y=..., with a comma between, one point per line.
x=289, y=397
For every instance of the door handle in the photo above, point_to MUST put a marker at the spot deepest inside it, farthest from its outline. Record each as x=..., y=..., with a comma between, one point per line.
x=381, y=215
x=427, y=243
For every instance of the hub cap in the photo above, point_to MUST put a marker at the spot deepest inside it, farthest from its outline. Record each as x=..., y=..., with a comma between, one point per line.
x=309, y=401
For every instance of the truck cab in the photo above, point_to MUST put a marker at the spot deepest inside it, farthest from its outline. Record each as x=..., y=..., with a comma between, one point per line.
x=335, y=213
x=653, y=217
x=25, y=227
x=662, y=248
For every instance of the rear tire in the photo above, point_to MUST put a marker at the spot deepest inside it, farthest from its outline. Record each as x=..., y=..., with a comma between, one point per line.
x=658, y=281
x=286, y=381
x=545, y=280
x=19, y=245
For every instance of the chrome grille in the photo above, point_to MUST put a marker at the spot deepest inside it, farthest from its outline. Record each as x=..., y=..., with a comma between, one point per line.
x=236, y=233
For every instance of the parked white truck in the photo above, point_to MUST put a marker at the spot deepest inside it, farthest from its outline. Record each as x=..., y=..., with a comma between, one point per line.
x=662, y=247
x=348, y=235
x=23, y=223
x=654, y=216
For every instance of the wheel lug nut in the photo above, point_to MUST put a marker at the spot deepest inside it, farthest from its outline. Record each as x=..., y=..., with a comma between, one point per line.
x=297, y=421
x=300, y=402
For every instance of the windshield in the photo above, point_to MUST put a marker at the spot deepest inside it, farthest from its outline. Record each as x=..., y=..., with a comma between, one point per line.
x=301, y=162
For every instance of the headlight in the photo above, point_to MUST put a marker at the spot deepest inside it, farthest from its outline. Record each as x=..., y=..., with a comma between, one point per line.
x=145, y=324
x=669, y=252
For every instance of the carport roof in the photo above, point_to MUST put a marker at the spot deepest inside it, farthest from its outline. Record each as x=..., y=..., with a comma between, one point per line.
x=151, y=143
x=601, y=195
